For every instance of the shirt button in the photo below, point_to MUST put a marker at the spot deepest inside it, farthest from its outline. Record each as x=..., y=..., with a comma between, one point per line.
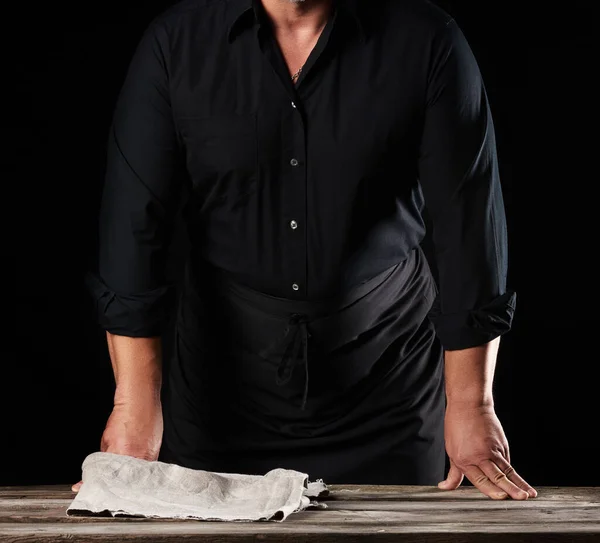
x=293, y=105
x=295, y=286
x=294, y=162
x=294, y=224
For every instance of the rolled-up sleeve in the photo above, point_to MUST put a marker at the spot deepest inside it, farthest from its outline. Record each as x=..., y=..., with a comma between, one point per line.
x=458, y=173
x=140, y=197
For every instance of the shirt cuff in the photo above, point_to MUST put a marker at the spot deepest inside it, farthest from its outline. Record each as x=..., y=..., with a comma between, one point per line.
x=134, y=315
x=476, y=326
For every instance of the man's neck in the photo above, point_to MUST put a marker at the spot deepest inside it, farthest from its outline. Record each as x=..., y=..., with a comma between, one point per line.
x=301, y=19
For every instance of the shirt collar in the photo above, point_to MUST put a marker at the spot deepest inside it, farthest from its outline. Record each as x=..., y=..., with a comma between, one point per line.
x=240, y=12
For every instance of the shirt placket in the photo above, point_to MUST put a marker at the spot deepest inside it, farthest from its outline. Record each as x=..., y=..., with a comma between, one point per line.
x=294, y=171
x=294, y=209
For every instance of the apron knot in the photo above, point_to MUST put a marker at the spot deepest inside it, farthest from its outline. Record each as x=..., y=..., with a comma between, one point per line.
x=295, y=338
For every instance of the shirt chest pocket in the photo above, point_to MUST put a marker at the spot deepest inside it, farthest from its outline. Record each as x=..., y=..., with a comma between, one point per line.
x=221, y=157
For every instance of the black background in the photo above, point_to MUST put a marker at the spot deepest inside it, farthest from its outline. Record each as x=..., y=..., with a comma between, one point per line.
x=536, y=61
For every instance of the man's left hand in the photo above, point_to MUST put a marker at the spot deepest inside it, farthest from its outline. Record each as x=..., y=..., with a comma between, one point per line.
x=478, y=449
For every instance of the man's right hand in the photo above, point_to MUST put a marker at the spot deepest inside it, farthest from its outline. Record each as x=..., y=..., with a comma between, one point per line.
x=134, y=428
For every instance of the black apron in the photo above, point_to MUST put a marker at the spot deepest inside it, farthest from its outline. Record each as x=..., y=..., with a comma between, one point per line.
x=348, y=389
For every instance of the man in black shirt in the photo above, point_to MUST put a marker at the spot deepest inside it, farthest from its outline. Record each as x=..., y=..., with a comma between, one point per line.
x=307, y=139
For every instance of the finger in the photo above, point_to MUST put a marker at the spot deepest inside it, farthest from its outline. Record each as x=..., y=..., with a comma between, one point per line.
x=500, y=479
x=481, y=481
x=453, y=480
x=513, y=476
x=76, y=486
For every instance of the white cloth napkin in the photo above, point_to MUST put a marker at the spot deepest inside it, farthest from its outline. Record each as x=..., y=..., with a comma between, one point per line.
x=124, y=485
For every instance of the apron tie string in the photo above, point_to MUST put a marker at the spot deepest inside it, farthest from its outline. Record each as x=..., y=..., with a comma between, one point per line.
x=289, y=359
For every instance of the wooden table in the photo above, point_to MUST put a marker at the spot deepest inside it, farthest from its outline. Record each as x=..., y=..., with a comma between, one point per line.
x=37, y=514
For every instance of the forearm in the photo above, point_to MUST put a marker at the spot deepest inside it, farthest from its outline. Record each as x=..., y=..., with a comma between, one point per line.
x=469, y=374
x=137, y=366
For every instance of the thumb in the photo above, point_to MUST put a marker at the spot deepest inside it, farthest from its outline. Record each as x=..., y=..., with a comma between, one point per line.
x=455, y=477
x=76, y=486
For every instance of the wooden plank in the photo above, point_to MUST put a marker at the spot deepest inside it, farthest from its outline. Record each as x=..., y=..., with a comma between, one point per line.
x=357, y=492
x=352, y=492
x=385, y=505
x=215, y=532
x=355, y=513
x=522, y=512
x=9, y=505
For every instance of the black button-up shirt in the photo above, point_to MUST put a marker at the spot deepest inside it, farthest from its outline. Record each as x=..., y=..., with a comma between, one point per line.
x=304, y=190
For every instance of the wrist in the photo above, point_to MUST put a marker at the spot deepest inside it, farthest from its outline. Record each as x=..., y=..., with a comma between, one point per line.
x=469, y=375
x=470, y=400
x=139, y=392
